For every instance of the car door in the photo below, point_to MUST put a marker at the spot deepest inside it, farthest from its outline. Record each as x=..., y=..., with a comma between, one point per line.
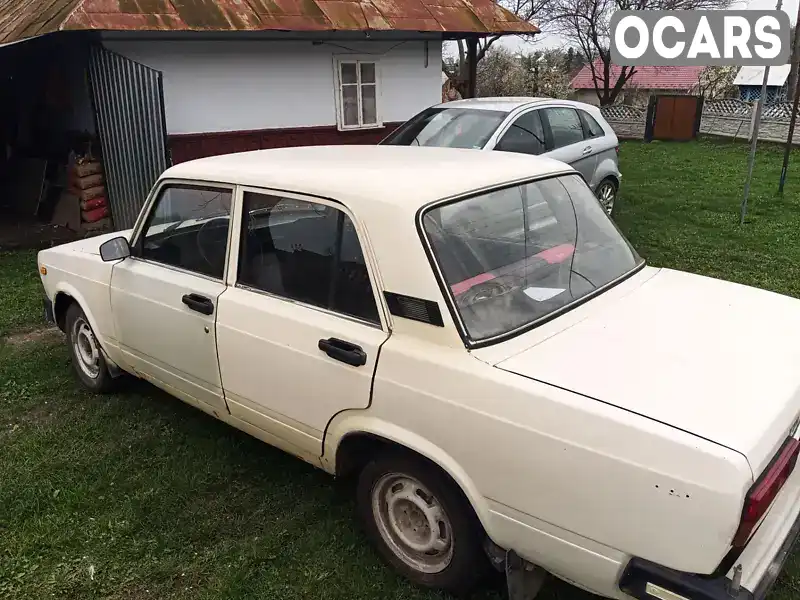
x=164, y=297
x=564, y=130
x=299, y=330
x=524, y=134
x=603, y=146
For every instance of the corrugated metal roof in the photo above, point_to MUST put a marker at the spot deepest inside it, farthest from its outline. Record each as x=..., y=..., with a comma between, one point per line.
x=645, y=77
x=20, y=19
x=755, y=75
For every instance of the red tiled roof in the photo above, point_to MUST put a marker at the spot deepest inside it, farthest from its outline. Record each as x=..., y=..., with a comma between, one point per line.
x=20, y=19
x=662, y=78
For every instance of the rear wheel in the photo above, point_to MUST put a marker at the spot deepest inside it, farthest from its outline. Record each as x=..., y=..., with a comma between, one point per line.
x=87, y=358
x=607, y=194
x=421, y=524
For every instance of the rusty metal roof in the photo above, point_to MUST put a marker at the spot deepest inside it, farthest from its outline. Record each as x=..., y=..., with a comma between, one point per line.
x=20, y=19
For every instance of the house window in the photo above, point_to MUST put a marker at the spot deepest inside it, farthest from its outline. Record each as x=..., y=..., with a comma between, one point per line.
x=357, y=94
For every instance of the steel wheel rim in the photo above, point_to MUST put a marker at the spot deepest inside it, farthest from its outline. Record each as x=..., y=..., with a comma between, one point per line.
x=413, y=523
x=606, y=195
x=85, y=348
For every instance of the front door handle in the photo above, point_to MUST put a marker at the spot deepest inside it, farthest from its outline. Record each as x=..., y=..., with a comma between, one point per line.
x=344, y=351
x=199, y=303
x=587, y=150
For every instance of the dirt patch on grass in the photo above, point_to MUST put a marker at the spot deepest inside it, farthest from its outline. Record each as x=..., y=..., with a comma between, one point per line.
x=22, y=338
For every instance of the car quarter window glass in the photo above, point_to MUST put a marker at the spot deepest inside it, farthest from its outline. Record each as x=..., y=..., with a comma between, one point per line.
x=565, y=126
x=591, y=127
x=525, y=135
x=304, y=251
x=188, y=228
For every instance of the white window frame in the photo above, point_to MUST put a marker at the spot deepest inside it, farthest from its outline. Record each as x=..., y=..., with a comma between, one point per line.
x=339, y=95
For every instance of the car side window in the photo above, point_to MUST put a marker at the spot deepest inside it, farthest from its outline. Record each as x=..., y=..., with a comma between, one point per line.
x=188, y=228
x=565, y=126
x=304, y=251
x=525, y=135
x=591, y=128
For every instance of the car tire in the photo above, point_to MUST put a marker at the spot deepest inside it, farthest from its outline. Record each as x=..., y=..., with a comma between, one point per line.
x=87, y=358
x=398, y=497
x=606, y=193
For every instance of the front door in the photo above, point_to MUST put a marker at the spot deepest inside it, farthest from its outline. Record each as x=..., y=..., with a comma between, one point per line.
x=165, y=297
x=298, y=334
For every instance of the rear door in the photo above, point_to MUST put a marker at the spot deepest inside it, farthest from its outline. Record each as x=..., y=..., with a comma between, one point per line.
x=299, y=330
x=564, y=130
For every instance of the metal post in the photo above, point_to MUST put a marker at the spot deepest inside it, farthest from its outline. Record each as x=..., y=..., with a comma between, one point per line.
x=787, y=150
x=472, y=64
x=752, y=159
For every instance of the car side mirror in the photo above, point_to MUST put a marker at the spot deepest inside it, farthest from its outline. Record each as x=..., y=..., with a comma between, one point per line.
x=115, y=249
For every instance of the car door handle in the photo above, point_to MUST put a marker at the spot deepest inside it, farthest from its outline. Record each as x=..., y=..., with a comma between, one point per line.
x=343, y=351
x=587, y=150
x=199, y=303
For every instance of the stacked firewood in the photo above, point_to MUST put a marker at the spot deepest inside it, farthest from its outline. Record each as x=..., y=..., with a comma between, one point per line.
x=87, y=183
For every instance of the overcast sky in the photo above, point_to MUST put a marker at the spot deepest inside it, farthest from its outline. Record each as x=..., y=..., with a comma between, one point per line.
x=547, y=41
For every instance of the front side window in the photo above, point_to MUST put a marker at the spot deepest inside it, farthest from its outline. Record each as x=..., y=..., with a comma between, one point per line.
x=525, y=135
x=449, y=128
x=306, y=252
x=513, y=256
x=188, y=228
x=357, y=102
x=565, y=126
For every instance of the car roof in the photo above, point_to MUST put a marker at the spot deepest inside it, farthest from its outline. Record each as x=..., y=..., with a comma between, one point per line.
x=404, y=176
x=507, y=104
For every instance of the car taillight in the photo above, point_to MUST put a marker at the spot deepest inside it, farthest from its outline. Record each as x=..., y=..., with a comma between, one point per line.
x=761, y=495
x=617, y=149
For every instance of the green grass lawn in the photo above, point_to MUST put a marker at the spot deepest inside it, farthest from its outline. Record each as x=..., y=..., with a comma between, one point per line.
x=137, y=495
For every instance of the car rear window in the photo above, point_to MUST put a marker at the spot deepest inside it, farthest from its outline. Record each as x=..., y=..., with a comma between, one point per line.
x=449, y=128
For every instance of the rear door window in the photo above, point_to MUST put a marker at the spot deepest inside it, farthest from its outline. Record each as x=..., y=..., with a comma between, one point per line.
x=591, y=128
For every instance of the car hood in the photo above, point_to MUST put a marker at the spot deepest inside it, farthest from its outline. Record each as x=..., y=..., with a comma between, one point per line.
x=713, y=358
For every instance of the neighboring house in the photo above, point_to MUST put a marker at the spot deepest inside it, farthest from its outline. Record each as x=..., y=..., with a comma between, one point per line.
x=644, y=82
x=749, y=80
x=167, y=81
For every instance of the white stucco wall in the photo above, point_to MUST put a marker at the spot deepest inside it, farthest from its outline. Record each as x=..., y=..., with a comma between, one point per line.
x=226, y=85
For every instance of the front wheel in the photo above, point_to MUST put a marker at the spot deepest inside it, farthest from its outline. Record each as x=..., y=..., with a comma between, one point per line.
x=420, y=523
x=607, y=194
x=87, y=358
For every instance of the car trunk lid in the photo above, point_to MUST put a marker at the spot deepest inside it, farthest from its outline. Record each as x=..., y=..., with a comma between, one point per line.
x=713, y=358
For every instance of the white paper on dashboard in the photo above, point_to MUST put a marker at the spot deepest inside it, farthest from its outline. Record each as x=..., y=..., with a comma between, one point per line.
x=541, y=294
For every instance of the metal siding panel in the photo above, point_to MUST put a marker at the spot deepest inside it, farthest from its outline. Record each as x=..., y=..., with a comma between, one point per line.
x=129, y=101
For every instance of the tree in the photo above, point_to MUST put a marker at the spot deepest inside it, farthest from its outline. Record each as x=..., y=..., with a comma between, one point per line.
x=586, y=24
x=541, y=73
x=717, y=82
x=526, y=10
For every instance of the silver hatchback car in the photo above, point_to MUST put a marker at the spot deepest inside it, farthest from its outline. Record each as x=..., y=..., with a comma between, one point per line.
x=572, y=132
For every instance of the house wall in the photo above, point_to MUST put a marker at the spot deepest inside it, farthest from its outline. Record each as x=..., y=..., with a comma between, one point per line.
x=227, y=85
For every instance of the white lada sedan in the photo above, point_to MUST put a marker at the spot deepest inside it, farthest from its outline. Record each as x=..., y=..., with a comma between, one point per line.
x=440, y=323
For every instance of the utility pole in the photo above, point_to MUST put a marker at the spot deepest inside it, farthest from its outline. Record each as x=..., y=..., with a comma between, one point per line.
x=788, y=149
x=752, y=159
x=794, y=89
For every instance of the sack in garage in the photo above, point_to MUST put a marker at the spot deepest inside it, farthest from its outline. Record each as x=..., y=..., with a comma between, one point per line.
x=90, y=216
x=84, y=169
x=90, y=181
x=91, y=193
x=93, y=203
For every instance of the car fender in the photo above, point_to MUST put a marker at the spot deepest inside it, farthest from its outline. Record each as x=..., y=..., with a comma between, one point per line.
x=360, y=422
x=606, y=167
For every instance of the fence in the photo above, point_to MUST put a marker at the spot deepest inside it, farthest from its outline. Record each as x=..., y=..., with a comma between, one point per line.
x=727, y=118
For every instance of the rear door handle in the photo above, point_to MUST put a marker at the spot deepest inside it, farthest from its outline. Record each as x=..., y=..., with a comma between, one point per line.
x=587, y=150
x=199, y=303
x=343, y=351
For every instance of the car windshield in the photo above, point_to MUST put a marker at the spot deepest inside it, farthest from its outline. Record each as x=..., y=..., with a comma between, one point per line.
x=449, y=128
x=513, y=256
